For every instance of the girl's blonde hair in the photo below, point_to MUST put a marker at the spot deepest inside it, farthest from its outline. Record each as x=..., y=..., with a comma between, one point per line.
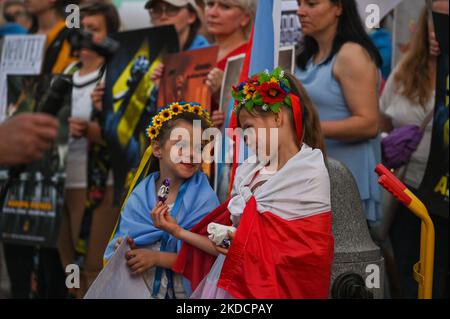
x=413, y=79
x=249, y=7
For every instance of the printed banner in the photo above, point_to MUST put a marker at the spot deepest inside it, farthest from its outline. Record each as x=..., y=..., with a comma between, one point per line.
x=20, y=54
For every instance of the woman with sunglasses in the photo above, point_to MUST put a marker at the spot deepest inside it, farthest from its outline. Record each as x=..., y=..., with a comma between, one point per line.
x=184, y=15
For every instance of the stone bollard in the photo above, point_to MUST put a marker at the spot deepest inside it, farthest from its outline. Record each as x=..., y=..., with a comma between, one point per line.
x=358, y=268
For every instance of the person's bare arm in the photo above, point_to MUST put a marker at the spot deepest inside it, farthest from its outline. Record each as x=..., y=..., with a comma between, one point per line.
x=166, y=260
x=358, y=77
x=196, y=240
x=162, y=220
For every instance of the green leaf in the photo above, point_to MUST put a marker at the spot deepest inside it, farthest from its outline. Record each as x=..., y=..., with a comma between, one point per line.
x=258, y=100
x=249, y=105
x=238, y=96
x=277, y=72
x=275, y=107
x=264, y=78
x=288, y=101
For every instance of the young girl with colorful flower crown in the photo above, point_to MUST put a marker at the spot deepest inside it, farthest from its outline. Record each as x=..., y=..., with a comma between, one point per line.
x=188, y=199
x=280, y=204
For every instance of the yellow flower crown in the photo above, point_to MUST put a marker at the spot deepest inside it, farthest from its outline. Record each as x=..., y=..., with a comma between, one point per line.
x=172, y=110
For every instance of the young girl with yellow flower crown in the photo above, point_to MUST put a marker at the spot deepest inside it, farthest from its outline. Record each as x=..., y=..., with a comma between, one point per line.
x=153, y=252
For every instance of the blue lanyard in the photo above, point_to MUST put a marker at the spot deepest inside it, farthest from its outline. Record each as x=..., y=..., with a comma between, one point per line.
x=164, y=240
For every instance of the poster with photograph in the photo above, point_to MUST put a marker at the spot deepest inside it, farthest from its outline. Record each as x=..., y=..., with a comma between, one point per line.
x=20, y=55
x=286, y=59
x=185, y=76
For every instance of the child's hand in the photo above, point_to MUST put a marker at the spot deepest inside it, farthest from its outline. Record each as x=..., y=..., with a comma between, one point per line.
x=222, y=250
x=162, y=219
x=130, y=242
x=141, y=260
x=118, y=243
x=78, y=127
x=435, y=49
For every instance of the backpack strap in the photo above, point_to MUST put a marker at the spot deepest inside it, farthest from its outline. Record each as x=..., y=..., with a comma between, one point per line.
x=51, y=55
x=73, y=68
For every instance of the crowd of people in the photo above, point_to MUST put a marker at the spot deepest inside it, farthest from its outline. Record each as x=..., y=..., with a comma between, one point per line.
x=338, y=103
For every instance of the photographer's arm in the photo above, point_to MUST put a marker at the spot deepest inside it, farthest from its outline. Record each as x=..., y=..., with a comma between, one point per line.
x=25, y=138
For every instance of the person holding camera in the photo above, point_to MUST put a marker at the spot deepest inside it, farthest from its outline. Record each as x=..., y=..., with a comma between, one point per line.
x=89, y=216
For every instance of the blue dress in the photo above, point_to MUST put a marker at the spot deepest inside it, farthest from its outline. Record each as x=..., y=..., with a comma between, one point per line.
x=361, y=157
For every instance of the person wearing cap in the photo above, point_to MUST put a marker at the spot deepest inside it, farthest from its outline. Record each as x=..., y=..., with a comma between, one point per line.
x=230, y=23
x=186, y=17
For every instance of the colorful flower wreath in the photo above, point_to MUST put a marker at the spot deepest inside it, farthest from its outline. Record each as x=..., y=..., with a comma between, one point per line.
x=172, y=110
x=267, y=90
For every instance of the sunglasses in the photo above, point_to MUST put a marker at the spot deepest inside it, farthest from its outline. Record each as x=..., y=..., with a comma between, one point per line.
x=159, y=10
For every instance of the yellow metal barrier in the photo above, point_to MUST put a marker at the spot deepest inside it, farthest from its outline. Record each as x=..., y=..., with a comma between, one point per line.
x=423, y=270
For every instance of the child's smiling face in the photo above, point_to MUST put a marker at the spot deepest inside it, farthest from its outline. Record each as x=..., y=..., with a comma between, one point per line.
x=179, y=154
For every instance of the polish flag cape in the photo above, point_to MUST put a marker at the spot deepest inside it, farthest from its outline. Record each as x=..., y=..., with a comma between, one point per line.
x=283, y=246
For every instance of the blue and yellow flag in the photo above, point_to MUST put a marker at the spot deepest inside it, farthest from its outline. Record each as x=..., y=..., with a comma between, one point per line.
x=128, y=101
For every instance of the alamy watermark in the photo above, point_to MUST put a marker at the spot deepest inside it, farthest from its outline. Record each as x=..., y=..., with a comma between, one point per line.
x=373, y=17
x=373, y=279
x=73, y=276
x=372, y=21
x=73, y=19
